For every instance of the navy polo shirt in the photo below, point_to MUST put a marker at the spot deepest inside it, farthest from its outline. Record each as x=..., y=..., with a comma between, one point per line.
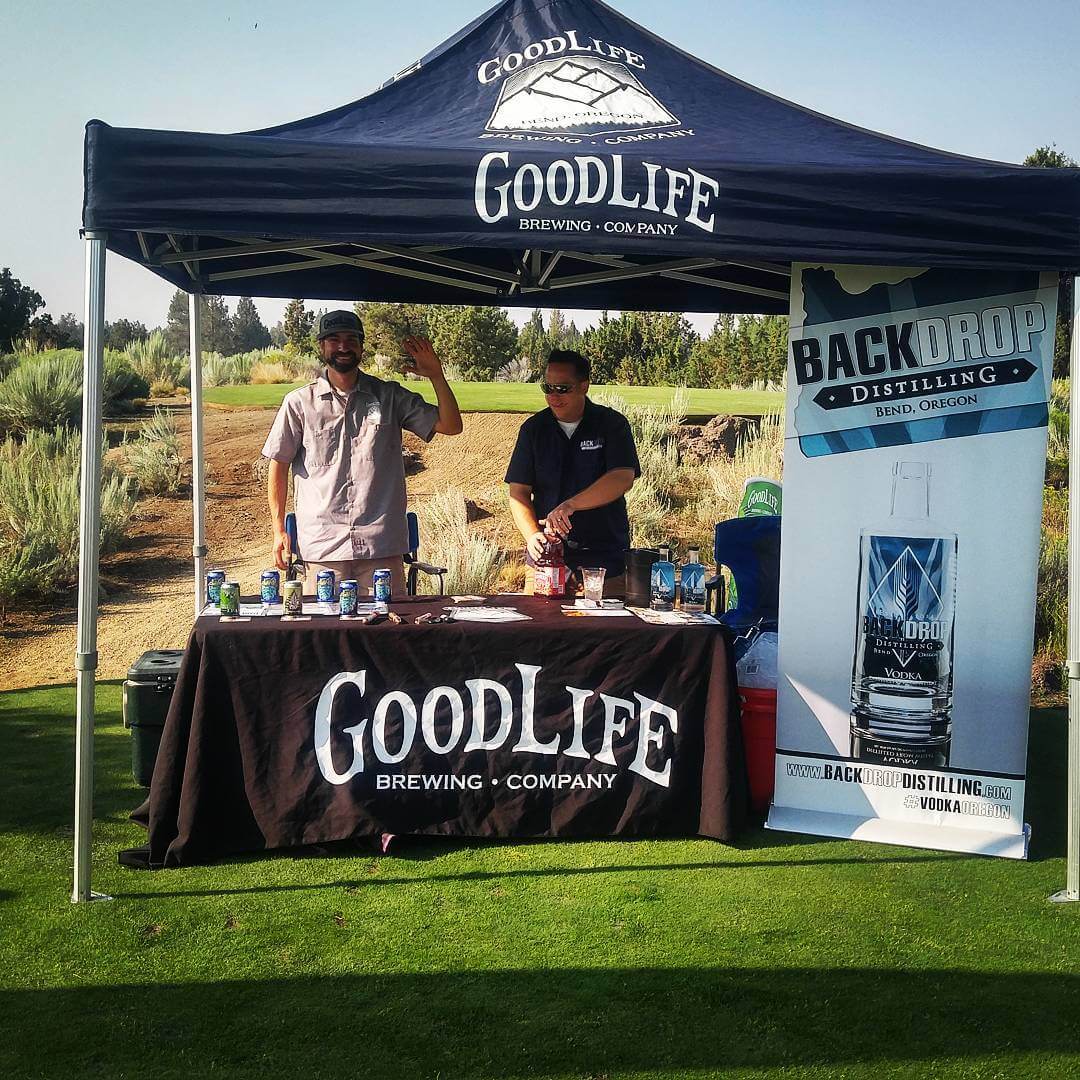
x=557, y=467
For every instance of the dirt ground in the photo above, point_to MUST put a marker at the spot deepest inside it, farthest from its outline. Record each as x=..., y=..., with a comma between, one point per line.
x=148, y=591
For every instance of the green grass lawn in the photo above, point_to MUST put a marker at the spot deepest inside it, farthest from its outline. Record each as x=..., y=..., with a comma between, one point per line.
x=782, y=957
x=526, y=397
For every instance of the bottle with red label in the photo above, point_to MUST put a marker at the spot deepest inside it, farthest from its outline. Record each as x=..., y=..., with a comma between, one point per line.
x=551, y=574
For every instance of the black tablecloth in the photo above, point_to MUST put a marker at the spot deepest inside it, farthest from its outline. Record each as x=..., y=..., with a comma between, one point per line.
x=286, y=733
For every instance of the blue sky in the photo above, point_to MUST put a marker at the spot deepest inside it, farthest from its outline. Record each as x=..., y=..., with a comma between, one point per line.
x=992, y=79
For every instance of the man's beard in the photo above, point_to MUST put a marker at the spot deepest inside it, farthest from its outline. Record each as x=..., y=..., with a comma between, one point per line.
x=344, y=364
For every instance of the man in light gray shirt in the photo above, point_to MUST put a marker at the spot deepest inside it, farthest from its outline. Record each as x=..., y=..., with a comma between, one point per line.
x=341, y=435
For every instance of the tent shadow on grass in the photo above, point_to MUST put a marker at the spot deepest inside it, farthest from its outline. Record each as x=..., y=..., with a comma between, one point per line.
x=566, y=1022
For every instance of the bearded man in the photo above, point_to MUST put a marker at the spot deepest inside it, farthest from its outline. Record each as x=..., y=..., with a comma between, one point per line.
x=341, y=436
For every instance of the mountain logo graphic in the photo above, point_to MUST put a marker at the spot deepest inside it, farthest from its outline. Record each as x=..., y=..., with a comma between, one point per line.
x=582, y=96
x=905, y=591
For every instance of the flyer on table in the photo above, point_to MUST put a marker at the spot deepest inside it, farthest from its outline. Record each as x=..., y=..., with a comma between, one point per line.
x=913, y=475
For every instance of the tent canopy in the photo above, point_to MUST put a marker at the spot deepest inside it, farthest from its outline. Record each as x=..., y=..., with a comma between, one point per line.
x=554, y=153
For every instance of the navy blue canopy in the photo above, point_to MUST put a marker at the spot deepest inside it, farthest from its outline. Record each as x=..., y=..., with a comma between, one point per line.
x=554, y=153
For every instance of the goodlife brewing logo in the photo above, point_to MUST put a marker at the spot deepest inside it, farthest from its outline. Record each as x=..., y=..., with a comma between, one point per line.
x=573, y=86
x=576, y=90
x=582, y=96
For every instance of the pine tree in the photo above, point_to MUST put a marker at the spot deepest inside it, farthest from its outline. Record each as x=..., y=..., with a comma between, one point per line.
x=217, y=334
x=386, y=325
x=176, y=324
x=532, y=344
x=249, y=331
x=297, y=324
x=478, y=341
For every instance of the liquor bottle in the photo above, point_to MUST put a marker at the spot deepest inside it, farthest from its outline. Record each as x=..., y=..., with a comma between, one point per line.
x=692, y=582
x=550, y=572
x=902, y=677
x=662, y=581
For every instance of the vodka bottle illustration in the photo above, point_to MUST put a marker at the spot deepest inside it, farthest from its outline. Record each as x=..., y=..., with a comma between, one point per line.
x=902, y=677
x=662, y=581
x=692, y=582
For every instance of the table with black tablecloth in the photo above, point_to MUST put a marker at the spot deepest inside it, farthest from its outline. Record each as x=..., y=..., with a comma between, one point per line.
x=286, y=733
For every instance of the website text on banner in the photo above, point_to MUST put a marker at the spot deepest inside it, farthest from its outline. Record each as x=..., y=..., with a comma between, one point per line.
x=913, y=471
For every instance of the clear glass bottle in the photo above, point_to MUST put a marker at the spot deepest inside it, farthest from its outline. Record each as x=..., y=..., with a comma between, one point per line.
x=662, y=581
x=692, y=582
x=902, y=673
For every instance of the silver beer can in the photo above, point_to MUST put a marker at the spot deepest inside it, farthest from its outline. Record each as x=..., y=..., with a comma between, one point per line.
x=294, y=597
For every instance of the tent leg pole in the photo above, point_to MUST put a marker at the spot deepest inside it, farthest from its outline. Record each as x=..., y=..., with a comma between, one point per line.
x=1072, y=861
x=89, y=553
x=198, y=453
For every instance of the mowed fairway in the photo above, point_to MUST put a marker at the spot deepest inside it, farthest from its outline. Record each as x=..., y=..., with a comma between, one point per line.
x=782, y=957
x=526, y=397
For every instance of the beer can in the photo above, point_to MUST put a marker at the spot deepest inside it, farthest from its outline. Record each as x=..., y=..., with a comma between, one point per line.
x=294, y=597
x=270, y=587
x=761, y=496
x=214, y=579
x=324, y=587
x=380, y=586
x=230, y=598
x=347, y=597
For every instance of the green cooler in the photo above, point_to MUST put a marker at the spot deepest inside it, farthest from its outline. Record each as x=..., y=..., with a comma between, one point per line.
x=147, y=692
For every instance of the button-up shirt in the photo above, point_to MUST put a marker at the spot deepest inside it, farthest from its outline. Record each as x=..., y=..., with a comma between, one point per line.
x=557, y=466
x=348, y=475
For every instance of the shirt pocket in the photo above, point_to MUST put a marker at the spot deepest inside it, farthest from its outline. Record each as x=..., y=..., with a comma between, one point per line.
x=321, y=448
x=589, y=467
x=370, y=440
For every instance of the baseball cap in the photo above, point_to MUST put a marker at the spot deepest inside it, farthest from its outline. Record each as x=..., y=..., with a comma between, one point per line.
x=337, y=322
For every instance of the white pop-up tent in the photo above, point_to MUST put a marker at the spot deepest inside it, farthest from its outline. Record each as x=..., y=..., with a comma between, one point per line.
x=552, y=153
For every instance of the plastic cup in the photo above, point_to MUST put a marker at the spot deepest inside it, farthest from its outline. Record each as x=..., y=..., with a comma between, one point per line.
x=592, y=580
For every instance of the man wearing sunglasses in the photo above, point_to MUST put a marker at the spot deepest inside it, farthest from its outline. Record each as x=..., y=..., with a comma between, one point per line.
x=572, y=466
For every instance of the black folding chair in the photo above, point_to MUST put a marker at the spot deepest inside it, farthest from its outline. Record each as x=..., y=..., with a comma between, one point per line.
x=413, y=565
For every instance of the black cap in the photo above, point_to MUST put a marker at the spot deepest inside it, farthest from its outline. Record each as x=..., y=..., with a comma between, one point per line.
x=338, y=322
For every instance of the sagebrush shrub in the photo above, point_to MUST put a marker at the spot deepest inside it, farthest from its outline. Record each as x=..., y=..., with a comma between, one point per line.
x=263, y=373
x=154, y=457
x=39, y=525
x=44, y=392
x=473, y=562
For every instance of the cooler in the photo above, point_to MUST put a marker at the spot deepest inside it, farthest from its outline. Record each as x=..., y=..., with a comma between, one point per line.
x=147, y=692
x=758, y=715
x=750, y=548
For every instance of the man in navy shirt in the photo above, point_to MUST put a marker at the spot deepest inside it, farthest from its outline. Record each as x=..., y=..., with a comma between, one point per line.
x=573, y=464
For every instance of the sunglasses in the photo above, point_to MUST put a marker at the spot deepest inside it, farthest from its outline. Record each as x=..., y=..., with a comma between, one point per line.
x=557, y=388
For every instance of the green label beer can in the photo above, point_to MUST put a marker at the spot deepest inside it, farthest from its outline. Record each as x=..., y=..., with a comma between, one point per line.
x=230, y=598
x=761, y=496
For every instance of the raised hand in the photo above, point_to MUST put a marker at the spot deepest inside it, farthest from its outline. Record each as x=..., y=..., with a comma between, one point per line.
x=423, y=360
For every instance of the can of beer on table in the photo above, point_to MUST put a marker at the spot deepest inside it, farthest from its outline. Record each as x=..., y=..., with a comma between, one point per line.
x=230, y=598
x=214, y=579
x=324, y=587
x=270, y=587
x=380, y=586
x=294, y=597
x=347, y=597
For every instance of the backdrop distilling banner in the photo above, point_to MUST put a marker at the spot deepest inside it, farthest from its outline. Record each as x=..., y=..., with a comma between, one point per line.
x=913, y=475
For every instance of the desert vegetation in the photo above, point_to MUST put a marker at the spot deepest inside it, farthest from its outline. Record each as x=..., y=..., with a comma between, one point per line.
x=677, y=499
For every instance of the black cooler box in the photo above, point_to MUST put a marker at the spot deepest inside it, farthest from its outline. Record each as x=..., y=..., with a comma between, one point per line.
x=147, y=692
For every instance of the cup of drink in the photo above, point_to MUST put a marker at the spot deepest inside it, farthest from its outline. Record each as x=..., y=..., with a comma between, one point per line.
x=592, y=580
